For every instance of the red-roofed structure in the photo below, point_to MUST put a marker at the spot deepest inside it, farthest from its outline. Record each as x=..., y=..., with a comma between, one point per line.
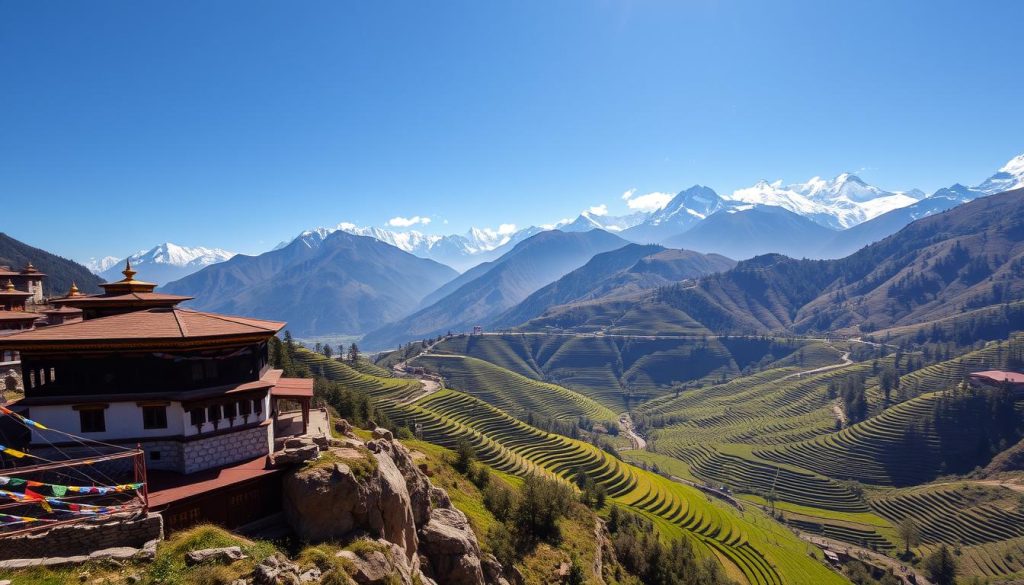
x=124, y=296
x=999, y=379
x=194, y=389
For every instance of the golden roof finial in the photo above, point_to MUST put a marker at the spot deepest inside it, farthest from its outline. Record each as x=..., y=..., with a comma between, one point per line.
x=128, y=273
x=9, y=287
x=73, y=291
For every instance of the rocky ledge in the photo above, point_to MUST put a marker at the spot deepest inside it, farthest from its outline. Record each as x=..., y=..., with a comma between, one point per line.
x=375, y=491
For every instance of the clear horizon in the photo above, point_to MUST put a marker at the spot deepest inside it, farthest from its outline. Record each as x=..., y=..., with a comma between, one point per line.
x=240, y=125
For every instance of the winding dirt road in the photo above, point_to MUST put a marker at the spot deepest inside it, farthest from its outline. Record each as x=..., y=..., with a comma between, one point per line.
x=626, y=424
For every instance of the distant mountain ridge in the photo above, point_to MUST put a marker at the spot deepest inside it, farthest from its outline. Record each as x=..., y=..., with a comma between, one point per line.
x=497, y=286
x=840, y=204
x=966, y=257
x=627, y=270
x=345, y=284
x=165, y=262
x=460, y=252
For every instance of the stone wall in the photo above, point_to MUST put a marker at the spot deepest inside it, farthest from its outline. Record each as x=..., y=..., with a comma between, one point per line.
x=84, y=537
x=181, y=456
x=10, y=381
x=168, y=455
x=200, y=454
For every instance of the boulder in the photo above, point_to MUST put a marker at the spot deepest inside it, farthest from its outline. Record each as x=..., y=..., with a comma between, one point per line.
x=382, y=433
x=382, y=564
x=297, y=442
x=224, y=556
x=297, y=455
x=330, y=503
x=322, y=441
x=276, y=570
x=492, y=570
x=420, y=489
x=343, y=427
x=450, y=544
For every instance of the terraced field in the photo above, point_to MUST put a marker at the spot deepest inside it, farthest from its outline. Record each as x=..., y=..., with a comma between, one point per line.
x=623, y=371
x=774, y=437
x=753, y=548
x=962, y=513
x=762, y=554
x=511, y=392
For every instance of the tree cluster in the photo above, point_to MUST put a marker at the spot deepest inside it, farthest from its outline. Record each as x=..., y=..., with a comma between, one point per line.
x=654, y=560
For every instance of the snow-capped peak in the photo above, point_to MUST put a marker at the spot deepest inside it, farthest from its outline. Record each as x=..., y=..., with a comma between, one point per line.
x=839, y=203
x=1010, y=176
x=175, y=255
x=98, y=265
x=163, y=262
x=1015, y=167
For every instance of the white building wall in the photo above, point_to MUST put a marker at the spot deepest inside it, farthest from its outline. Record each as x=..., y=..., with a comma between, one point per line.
x=123, y=420
x=190, y=429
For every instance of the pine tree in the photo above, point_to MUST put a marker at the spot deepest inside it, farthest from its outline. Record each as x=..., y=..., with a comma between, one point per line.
x=940, y=566
x=353, y=352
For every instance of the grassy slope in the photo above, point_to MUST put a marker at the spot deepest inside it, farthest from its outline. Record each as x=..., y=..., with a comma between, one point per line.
x=749, y=544
x=770, y=432
x=511, y=392
x=622, y=371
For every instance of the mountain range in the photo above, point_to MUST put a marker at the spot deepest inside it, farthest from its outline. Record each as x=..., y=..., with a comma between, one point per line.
x=162, y=263
x=943, y=264
x=852, y=212
x=857, y=213
x=496, y=286
x=460, y=252
x=338, y=284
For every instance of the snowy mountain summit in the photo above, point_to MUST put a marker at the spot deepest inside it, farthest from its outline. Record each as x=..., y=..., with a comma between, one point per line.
x=460, y=251
x=839, y=203
x=165, y=262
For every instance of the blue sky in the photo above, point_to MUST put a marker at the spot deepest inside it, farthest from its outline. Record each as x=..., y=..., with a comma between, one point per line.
x=238, y=124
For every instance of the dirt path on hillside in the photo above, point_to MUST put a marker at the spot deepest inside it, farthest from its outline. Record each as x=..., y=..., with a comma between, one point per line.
x=899, y=569
x=1008, y=484
x=837, y=411
x=626, y=424
x=845, y=362
x=429, y=387
x=599, y=551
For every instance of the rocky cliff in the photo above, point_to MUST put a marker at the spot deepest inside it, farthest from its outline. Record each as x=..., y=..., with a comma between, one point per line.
x=374, y=491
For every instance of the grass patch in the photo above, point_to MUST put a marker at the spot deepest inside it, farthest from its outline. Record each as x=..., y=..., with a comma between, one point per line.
x=362, y=467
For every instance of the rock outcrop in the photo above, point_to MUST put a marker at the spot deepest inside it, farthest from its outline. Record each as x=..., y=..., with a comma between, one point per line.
x=419, y=536
x=451, y=548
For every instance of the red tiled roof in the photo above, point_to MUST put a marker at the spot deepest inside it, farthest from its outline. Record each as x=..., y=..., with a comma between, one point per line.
x=18, y=316
x=148, y=324
x=293, y=388
x=6, y=271
x=166, y=487
x=62, y=311
x=266, y=381
x=1000, y=376
x=120, y=299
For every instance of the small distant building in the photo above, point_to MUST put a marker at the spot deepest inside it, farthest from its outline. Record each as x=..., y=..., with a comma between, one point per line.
x=998, y=379
x=478, y=330
x=28, y=279
x=14, y=313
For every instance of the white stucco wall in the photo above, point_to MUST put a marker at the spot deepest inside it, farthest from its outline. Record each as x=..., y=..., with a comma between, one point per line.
x=124, y=421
